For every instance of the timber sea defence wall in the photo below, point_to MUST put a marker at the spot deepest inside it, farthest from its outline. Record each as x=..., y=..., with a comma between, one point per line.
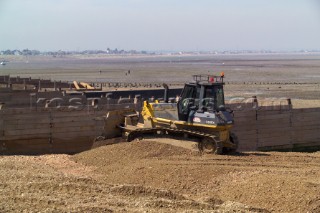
x=56, y=122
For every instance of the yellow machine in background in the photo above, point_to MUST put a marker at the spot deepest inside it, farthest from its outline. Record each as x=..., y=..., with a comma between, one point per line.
x=83, y=86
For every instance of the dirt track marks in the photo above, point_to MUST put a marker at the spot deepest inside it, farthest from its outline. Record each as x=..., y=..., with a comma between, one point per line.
x=153, y=176
x=273, y=181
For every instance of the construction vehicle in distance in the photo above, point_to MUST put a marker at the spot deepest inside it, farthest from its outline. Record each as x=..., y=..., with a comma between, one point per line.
x=200, y=114
x=83, y=86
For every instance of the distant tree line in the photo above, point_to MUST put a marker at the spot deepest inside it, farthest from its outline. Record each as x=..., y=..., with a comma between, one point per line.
x=60, y=53
x=20, y=52
x=26, y=52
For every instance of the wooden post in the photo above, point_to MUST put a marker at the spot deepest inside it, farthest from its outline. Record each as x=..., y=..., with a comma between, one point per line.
x=39, y=87
x=24, y=84
x=31, y=99
x=255, y=104
x=289, y=103
x=9, y=83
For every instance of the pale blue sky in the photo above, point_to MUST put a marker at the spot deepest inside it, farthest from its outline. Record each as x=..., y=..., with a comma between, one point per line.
x=160, y=25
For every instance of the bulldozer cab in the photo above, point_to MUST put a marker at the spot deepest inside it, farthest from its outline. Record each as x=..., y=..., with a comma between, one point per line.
x=205, y=94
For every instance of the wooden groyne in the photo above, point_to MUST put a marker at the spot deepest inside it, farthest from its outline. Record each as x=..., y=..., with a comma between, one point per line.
x=40, y=122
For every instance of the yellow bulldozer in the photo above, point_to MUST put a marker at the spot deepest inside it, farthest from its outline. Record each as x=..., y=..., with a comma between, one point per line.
x=199, y=114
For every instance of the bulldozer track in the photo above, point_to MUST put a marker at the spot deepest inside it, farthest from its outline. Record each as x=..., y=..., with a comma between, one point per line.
x=204, y=138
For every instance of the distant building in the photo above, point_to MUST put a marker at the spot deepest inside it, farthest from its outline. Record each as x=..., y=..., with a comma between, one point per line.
x=17, y=52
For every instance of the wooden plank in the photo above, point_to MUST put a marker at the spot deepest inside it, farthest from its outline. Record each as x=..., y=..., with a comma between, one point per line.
x=306, y=137
x=64, y=110
x=29, y=116
x=306, y=110
x=274, y=142
x=74, y=119
x=73, y=142
x=18, y=137
x=267, y=113
x=251, y=146
x=306, y=130
x=71, y=146
x=300, y=119
x=247, y=137
x=79, y=123
x=71, y=135
x=303, y=116
x=19, y=100
x=2, y=148
x=270, y=137
x=27, y=147
x=266, y=134
x=72, y=114
x=249, y=132
x=273, y=116
x=287, y=147
x=311, y=122
x=240, y=114
x=276, y=122
x=245, y=121
x=266, y=129
x=275, y=127
x=36, y=120
x=10, y=111
x=26, y=126
x=22, y=132
x=245, y=132
x=241, y=107
x=273, y=108
x=247, y=148
x=16, y=111
x=243, y=128
x=310, y=141
x=307, y=141
x=274, y=119
x=303, y=132
x=248, y=142
x=75, y=129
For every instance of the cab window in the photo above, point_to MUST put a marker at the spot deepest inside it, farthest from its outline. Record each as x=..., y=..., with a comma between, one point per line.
x=188, y=92
x=213, y=97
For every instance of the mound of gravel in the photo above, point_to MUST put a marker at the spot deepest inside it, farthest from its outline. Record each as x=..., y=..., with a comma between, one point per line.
x=248, y=182
x=130, y=152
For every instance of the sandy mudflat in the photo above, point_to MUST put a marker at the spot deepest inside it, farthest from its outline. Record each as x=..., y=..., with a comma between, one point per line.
x=292, y=76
